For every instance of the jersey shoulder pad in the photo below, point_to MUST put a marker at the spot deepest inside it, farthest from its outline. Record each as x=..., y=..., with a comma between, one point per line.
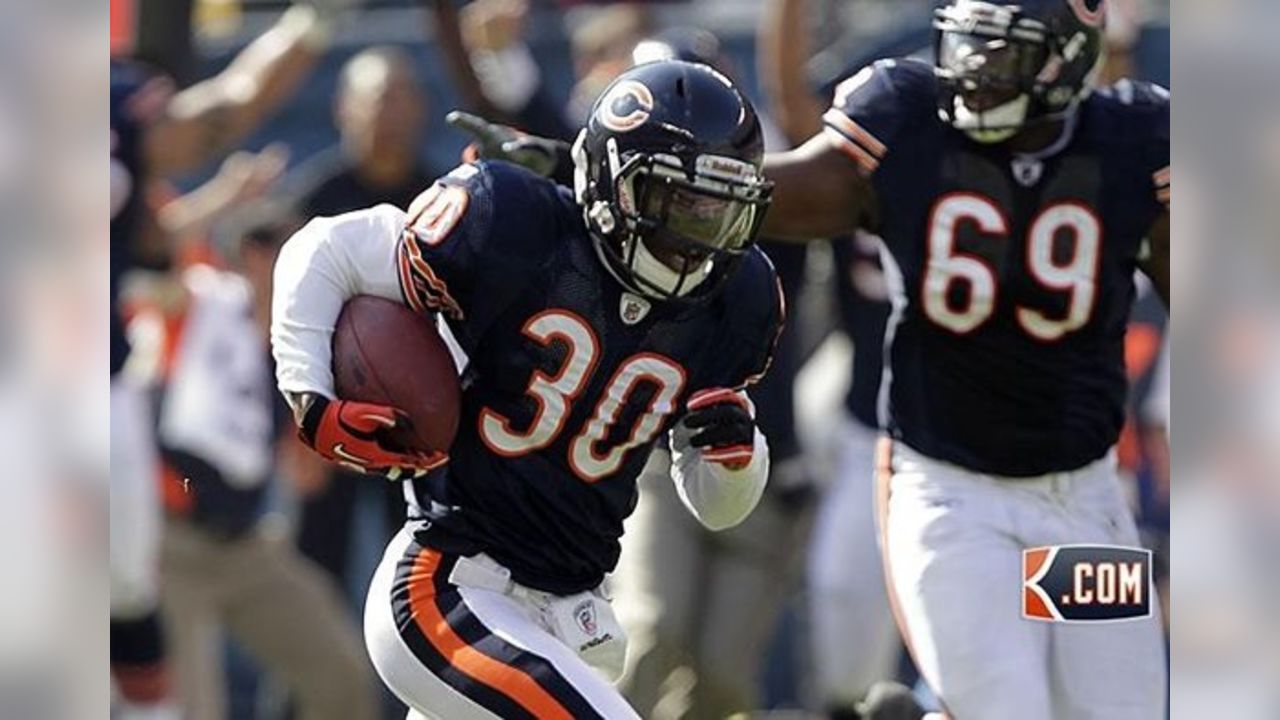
x=876, y=106
x=495, y=209
x=754, y=312
x=472, y=237
x=1133, y=119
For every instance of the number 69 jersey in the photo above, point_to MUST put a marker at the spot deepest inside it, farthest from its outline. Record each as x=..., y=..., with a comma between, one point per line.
x=1013, y=274
x=571, y=380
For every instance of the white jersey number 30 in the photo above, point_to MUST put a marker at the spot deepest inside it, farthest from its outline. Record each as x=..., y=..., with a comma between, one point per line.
x=555, y=395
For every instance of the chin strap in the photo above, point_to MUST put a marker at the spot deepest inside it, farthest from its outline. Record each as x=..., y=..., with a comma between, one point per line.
x=649, y=267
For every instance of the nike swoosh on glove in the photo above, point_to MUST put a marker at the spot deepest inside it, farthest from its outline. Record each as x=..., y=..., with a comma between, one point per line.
x=360, y=436
x=724, y=429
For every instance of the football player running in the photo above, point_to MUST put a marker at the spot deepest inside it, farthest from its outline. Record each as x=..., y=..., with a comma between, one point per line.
x=592, y=322
x=1015, y=203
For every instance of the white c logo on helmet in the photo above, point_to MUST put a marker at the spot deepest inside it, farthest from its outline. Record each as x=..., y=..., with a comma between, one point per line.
x=626, y=106
x=1092, y=18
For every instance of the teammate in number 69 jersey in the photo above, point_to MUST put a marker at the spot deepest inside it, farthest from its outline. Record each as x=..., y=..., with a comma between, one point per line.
x=1015, y=203
x=594, y=324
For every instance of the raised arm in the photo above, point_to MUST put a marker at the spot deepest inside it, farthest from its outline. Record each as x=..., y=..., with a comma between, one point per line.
x=784, y=51
x=457, y=56
x=213, y=115
x=818, y=193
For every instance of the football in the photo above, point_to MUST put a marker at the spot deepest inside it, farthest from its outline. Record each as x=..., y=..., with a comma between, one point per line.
x=385, y=353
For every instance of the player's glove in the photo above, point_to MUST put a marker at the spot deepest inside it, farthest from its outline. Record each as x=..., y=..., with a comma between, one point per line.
x=494, y=141
x=360, y=436
x=724, y=429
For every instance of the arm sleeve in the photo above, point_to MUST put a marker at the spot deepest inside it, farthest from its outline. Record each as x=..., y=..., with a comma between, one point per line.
x=717, y=496
x=324, y=264
x=447, y=238
x=757, y=327
x=866, y=113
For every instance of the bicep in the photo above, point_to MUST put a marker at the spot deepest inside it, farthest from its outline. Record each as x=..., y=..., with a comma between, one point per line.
x=818, y=192
x=1156, y=264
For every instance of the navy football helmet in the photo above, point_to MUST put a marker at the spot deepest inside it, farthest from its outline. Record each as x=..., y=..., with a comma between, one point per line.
x=1004, y=65
x=667, y=171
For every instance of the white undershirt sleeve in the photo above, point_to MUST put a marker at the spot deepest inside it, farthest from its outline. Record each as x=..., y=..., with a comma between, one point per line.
x=717, y=496
x=327, y=262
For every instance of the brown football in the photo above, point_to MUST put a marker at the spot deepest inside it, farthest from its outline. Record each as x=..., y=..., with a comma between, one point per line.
x=385, y=353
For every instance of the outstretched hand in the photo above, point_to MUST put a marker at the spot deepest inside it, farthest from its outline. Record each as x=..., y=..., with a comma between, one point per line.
x=495, y=141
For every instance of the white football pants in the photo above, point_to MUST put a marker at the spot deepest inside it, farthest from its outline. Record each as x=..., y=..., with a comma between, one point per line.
x=469, y=653
x=953, y=542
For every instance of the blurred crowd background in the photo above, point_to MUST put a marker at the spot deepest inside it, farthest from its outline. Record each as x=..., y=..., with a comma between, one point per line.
x=246, y=567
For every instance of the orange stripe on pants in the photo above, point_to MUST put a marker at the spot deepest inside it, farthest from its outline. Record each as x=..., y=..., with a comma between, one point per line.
x=510, y=681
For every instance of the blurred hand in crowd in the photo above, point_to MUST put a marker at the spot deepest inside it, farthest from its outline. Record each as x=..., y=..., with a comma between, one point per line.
x=492, y=25
x=248, y=175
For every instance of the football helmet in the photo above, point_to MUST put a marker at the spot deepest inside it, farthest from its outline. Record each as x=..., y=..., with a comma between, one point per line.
x=1004, y=65
x=667, y=171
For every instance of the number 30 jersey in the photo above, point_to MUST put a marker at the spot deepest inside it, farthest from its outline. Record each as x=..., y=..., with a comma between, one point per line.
x=1012, y=275
x=571, y=380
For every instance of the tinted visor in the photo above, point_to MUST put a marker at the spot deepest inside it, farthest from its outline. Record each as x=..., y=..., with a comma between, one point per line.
x=684, y=225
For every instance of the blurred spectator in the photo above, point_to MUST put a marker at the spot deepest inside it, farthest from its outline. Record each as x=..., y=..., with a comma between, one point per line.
x=157, y=133
x=379, y=110
x=502, y=66
x=493, y=33
x=602, y=46
x=220, y=428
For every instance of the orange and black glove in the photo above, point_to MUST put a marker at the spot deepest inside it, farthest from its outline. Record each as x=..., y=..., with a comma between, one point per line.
x=724, y=429
x=362, y=436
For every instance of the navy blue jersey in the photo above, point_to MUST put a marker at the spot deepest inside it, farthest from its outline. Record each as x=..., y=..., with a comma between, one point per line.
x=571, y=379
x=1012, y=275
x=127, y=136
x=863, y=300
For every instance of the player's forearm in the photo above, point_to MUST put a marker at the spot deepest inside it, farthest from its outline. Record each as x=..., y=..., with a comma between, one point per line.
x=812, y=195
x=458, y=60
x=212, y=116
x=717, y=496
x=784, y=53
x=327, y=262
